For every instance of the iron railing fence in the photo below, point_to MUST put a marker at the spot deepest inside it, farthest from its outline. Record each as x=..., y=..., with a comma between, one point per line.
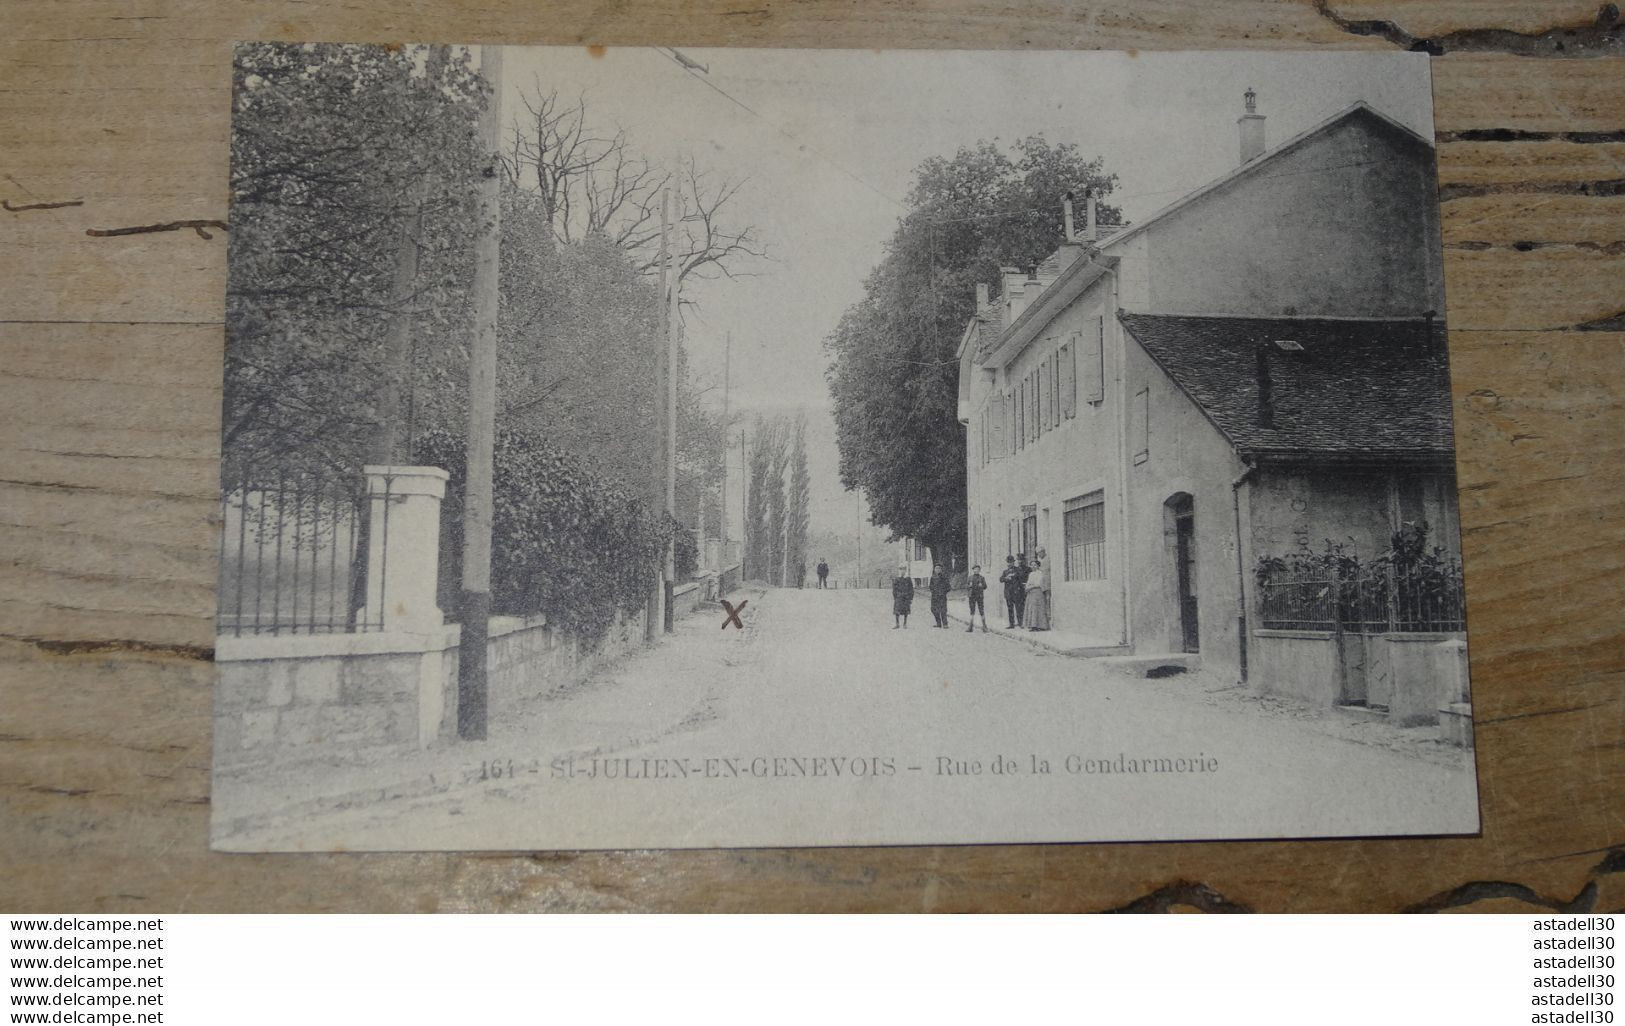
x=1375, y=601
x=294, y=553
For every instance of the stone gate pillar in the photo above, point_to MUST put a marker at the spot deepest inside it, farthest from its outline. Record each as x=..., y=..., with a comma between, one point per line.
x=403, y=547
x=403, y=568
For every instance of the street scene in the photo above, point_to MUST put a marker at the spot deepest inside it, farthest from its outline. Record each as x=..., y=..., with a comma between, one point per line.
x=652, y=448
x=817, y=723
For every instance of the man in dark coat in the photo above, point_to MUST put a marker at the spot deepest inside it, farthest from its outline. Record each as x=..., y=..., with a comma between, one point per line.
x=823, y=573
x=939, y=595
x=1014, y=580
x=902, y=598
x=978, y=586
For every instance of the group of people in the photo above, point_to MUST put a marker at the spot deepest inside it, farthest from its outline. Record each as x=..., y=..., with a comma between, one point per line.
x=1026, y=595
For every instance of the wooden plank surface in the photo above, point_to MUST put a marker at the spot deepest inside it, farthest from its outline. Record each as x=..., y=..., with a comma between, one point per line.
x=110, y=353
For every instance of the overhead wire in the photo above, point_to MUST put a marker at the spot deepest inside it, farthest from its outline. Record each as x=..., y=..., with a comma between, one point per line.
x=671, y=55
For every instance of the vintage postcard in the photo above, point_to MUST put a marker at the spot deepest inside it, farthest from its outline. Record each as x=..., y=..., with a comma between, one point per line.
x=695, y=448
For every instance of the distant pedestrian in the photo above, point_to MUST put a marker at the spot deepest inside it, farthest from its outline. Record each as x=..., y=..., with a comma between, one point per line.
x=823, y=573
x=978, y=585
x=1014, y=580
x=902, y=598
x=1037, y=606
x=940, y=586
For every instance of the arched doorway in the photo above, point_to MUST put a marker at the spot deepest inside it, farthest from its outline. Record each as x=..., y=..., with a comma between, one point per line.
x=1181, y=520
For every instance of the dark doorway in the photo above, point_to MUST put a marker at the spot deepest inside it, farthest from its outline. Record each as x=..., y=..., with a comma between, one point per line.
x=1183, y=508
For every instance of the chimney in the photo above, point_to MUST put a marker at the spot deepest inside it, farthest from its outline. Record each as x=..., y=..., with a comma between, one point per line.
x=1066, y=211
x=1090, y=234
x=1252, y=128
x=1266, y=388
x=1013, y=284
x=1035, y=284
x=981, y=298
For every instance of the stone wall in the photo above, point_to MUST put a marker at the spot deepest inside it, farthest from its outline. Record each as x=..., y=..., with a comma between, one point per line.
x=292, y=698
x=1413, y=676
x=526, y=659
x=315, y=696
x=1301, y=665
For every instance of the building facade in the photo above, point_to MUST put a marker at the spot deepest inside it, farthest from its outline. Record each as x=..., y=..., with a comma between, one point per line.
x=1256, y=371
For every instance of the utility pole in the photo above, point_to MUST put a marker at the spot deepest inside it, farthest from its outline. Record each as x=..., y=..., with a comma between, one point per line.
x=655, y=612
x=859, y=494
x=671, y=412
x=744, y=507
x=722, y=499
x=482, y=402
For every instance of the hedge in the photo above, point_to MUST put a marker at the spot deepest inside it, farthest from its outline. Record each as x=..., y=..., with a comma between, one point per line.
x=565, y=542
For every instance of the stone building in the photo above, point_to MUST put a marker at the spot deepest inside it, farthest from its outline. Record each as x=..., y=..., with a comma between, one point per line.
x=1255, y=370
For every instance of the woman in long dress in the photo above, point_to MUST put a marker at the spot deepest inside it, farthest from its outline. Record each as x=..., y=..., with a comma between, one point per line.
x=902, y=598
x=1038, y=598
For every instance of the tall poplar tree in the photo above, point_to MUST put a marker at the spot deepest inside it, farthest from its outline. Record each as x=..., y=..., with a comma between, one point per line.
x=797, y=496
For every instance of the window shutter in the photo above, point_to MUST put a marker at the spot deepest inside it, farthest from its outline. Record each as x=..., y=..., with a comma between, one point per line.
x=1043, y=410
x=1009, y=423
x=1048, y=395
x=1038, y=400
x=1029, y=408
x=1015, y=418
x=1038, y=406
x=1032, y=405
x=1094, y=370
x=1069, y=378
x=1021, y=411
x=1139, y=426
x=1021, y=414
x=1055, y=387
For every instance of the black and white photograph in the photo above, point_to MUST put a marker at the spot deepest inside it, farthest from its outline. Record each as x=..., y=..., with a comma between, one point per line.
x=691, y=448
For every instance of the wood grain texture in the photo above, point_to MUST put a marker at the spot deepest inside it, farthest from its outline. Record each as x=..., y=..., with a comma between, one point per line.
x=110, y=358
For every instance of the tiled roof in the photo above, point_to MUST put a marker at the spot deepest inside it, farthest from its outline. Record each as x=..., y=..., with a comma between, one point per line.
x=989, y=329
x=1049, y=272
x=1355, y=389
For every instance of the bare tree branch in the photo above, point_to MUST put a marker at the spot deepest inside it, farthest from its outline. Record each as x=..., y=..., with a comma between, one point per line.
x=596, y=184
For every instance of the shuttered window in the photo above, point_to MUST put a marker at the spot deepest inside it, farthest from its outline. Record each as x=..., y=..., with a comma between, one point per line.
x=1093, y=369
x=1021, y=414
x=1044, y=395
x=1068, y=377
x=1052, y=394
x=1029, y=408
x=1139, y=426
x=995, y=427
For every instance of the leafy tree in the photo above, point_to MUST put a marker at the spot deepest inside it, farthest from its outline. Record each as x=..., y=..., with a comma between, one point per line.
x=353, y=220
x=894, y=376
x=702, y=443
x=579, y=334
x=333, y=149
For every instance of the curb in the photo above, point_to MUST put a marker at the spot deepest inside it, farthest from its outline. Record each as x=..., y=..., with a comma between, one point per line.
x=1024, y=638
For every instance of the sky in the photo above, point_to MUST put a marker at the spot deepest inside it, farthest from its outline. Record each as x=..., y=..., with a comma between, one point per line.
x=827, y=141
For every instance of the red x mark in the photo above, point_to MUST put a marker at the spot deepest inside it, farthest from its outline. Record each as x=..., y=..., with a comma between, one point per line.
x=733, y=614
